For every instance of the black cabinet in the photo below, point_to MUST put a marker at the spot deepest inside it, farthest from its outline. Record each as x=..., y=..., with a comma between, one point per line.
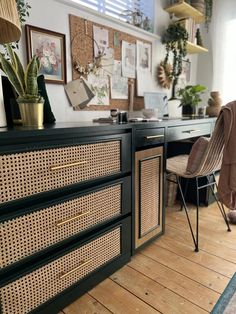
x=65, y=215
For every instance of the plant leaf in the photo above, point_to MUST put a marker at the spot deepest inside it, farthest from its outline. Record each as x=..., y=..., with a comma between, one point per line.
x=31, y=73
x=12, y=75
x=20, y=70
x=11, y=55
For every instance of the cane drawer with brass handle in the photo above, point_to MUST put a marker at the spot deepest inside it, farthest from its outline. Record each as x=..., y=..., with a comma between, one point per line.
x=182, y=132
x=27, y=293
x=149, y=137
x=25, y=174
x=30, y=233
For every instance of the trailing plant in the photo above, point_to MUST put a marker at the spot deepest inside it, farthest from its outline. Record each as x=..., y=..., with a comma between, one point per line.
x=190, y=95
x=23, y=10
x=23, y=80
x=208, y=12
x=175, y=40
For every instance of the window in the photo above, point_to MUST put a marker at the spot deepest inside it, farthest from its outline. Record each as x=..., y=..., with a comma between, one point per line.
x=229, y=68
x=121, y=9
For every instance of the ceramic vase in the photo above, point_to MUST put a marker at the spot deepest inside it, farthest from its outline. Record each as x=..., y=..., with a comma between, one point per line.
x=214, y=104
x=174, y=110
x=199, y=5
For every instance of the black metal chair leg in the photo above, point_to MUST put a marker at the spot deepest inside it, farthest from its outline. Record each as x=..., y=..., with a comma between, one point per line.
x=220, y=205
x=197, y=217
x=186, y=212
x=185, y=193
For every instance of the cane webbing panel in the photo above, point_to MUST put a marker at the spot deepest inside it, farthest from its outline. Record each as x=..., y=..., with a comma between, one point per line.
x=30, y=233
x=28, y=292
x=149, y=190
x=25, y=174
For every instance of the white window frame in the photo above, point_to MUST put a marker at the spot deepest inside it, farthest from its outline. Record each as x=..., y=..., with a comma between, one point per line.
x=125, y=27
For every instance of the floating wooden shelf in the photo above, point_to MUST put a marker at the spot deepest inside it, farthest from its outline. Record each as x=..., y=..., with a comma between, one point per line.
x=183, y=9
x=192, y=48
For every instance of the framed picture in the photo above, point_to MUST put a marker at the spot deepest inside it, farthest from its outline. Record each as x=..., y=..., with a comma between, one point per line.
x=186, y=67
x=49, y=46
x=184, y=77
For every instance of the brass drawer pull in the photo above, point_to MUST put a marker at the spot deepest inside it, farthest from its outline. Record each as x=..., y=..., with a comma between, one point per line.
x=65, y=221
x=78, y=163
x=149, y=137
x=82, y=263
x=191, y=131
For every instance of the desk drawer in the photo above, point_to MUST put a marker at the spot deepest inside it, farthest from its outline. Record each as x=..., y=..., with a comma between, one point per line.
x=148, y=137
x=25, y=294
x=28, y=234
x=187, y=131
x=28, y=173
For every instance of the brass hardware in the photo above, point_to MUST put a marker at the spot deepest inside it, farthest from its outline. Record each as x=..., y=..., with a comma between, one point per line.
x=63, y=222
x=149, y=137
x=191, y=131
x=78, y=163
x=82, y=263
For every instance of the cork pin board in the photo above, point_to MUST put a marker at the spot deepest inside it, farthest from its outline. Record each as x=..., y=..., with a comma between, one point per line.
x=81, y=34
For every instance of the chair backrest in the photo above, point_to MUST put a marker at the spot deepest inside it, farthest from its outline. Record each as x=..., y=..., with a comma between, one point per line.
x=212, y=159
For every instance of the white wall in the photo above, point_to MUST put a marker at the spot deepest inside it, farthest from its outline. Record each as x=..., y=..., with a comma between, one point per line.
x=53, y=15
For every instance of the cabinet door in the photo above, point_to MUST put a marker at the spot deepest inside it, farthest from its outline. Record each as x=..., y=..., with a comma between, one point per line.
x=148, y=194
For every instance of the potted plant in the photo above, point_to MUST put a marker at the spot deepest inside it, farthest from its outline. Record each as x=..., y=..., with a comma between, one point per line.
x=190, y=97
x=25, y=85
x=175, y=40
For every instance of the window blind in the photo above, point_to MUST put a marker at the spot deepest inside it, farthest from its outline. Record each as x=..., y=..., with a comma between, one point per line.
x=120, y=8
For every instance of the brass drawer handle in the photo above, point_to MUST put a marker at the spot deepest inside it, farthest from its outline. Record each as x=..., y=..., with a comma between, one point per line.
x=78, y=163
x=149, y=137
x=191, y=131
x=65, y=221
x=82, y=263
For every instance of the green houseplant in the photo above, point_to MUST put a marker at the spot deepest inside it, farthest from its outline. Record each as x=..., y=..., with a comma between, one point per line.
x=175, y=40
x=25, y=84
x=190, y=98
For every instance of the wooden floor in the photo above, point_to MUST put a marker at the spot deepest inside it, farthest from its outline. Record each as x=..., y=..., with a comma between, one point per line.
x=167, y=276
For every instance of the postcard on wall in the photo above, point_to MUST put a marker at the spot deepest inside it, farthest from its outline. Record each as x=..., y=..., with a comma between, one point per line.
x=128, y=59
x=101, y=40
x=99, y=85
x=107, y=62
x=144, y=55
x=119, y=84
x=79, y=93
x=145, y=82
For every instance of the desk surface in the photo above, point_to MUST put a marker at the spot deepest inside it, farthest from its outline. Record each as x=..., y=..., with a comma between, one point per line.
x=84, y=127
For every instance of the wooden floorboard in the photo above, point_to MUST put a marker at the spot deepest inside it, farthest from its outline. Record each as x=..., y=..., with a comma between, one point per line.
x=86, y=305
x=168, y=276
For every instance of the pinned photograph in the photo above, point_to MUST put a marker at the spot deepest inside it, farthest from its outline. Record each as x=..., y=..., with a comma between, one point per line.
x=119, y=84
x=143, y=56
x=128, y=59
x=101, y=41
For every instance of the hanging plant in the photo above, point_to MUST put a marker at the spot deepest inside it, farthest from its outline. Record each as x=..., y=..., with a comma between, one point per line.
x=23, y=10
x=208, y=12
x=175, y=40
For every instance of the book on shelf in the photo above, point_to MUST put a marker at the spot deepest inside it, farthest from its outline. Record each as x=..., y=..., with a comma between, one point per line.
x=191, y=27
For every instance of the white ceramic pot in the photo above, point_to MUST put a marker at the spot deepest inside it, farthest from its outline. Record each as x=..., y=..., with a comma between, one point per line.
x=174, y=111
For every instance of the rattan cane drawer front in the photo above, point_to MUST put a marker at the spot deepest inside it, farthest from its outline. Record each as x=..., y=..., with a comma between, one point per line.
x=28, y=292
x=25, y=174
x=28, y=234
